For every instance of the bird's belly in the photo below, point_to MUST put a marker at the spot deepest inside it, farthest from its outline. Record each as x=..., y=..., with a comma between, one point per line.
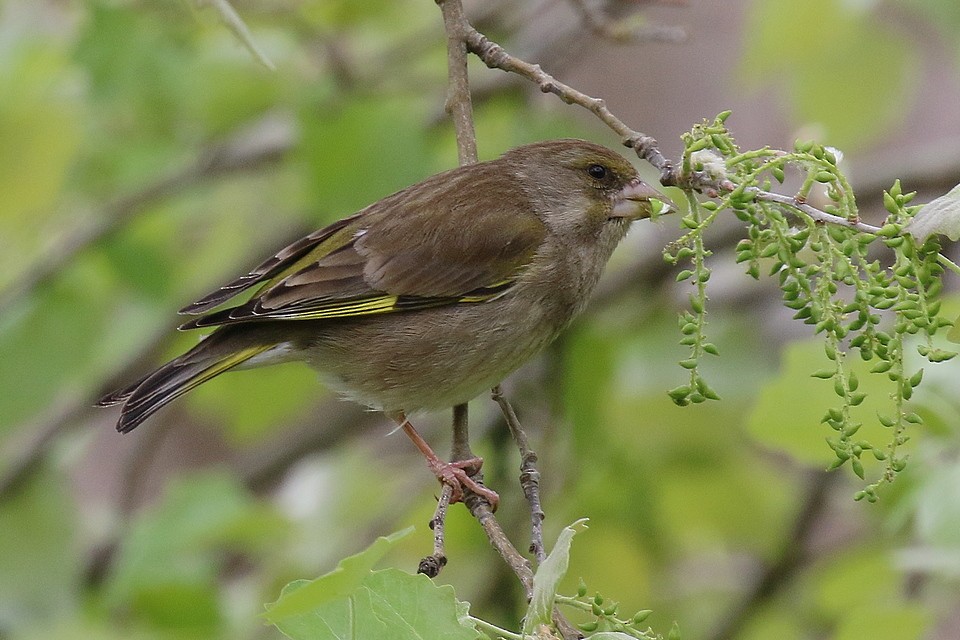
x=429, y=359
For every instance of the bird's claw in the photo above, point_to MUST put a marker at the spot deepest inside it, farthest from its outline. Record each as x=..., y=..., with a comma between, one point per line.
x=457, y=476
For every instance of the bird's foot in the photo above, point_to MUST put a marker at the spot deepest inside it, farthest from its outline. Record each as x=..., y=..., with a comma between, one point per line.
x=458, y=474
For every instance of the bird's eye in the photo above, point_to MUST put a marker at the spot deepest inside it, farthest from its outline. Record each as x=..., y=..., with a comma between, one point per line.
x=597, y=171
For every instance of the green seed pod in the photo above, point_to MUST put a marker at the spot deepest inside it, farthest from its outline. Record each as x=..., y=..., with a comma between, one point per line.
x=916, y=378
x=881, y=367
x=852, y=381
x=642, y=615
x=696, y=303
x=857, y=467
x=674, y=633
x=891, y=205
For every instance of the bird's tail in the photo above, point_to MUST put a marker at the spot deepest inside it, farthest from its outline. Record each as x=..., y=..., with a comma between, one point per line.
x=211, y=357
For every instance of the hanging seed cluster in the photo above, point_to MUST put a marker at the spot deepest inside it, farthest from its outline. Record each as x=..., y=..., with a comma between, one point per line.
x=828, y=265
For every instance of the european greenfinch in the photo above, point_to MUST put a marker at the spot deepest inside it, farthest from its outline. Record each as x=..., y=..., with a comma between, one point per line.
x=426, y=298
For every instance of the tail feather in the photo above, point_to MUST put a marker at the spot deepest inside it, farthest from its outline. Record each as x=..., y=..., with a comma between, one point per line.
x=144, y=397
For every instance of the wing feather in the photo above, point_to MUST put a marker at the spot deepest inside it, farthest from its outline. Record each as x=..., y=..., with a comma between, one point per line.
x=396, y=255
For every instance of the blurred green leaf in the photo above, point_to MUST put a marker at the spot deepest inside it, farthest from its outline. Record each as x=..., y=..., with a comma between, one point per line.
x=877, y=622
x=167, y=564
x=346, y=162
x=815, y=48
x=253, y=403
x=790, y=407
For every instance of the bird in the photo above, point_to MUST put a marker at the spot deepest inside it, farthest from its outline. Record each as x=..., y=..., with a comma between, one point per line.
x=426, y=298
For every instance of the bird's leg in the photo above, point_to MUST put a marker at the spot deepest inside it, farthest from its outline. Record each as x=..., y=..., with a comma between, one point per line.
x=456, y=474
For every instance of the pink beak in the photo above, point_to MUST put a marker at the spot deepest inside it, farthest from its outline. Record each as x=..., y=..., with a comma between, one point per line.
x=634, y=201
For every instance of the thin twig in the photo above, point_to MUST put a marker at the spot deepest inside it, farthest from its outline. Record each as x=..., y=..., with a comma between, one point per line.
x=459, y=107
x=460, y=450
x=480, y=510
x=529, y=476
x=813, y=212
x=646, y=147
x=458, y=104
x=232, y=21
x=495, y=57
x=432, y=564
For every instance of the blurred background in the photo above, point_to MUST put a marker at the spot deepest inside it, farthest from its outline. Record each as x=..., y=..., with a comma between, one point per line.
x=146, y=157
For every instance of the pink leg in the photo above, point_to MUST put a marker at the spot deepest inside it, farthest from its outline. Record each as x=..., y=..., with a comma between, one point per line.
x=456, y=474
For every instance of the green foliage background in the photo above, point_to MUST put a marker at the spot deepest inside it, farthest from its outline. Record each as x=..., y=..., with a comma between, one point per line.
x=170, y=533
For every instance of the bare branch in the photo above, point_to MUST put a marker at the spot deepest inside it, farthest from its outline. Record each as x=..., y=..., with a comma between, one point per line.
x=813, y=212
x=431, y=565
x=495, y=57
x=458, y=104
x=529, y=476
x=232, y=21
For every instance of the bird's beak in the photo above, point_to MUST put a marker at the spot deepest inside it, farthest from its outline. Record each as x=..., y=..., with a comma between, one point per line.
x=639, y=200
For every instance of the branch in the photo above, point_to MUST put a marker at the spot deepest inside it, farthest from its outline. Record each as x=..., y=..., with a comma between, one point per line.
x=458, y=104
x=495, y=57
x=431, y=565
x=529, y=476
x=813, y=212
x=232, y=21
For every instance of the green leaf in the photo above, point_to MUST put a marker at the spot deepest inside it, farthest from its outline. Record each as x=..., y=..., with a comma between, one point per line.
x=384, y=605
x=547, y=579
x=940, y=215
x=302, y=597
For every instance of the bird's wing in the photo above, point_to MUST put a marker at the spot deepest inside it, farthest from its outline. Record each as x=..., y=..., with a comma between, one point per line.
x=426, y=246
